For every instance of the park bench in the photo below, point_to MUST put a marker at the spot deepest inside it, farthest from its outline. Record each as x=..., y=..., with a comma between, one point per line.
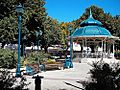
x=32, y=69
x=53, y=65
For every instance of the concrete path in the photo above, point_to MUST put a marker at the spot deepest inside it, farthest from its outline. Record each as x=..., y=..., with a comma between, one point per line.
x=66, y=79
x=62, y=79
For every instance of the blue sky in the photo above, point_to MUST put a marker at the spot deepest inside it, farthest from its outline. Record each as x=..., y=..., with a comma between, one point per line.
x=69, y=10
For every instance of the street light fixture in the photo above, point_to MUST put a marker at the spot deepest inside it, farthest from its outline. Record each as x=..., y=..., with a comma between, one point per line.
x=71, y=47
x=19, y=10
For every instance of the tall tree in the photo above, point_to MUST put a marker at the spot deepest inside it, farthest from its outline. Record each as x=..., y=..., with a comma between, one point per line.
x=36, y=18
x=109, y=22
x=8, y=30
x=53, y=31
x=6, y=8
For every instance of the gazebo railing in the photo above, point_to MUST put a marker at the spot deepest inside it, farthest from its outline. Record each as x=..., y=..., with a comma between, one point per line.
x=91, y=55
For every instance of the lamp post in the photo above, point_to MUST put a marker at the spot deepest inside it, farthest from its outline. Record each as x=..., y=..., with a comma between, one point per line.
x=71, y=47
x=38, y=33
x=19, y=10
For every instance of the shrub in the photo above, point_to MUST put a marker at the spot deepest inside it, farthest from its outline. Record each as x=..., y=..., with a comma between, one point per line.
x=36, y=57
x=117, y=54
x=8, y=81
x=8, y=58
x=104, y=77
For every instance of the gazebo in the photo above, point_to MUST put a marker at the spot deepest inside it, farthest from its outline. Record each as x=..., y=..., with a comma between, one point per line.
x=95, y=40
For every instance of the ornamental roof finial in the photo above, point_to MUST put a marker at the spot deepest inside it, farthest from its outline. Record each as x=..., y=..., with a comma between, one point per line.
x=91, y=13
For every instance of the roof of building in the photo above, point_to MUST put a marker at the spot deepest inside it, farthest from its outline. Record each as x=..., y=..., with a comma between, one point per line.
x=91, y=28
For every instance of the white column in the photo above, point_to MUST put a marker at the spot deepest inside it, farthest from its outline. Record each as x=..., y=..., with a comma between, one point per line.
x=105, y=48
x=82, y=48
x=113, y=49
x=102, y=50
x=86, y=55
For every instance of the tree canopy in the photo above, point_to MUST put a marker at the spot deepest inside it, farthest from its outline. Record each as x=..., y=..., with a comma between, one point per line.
x=35, y=19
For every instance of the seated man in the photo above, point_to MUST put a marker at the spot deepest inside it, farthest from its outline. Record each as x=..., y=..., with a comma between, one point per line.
x=42, y=67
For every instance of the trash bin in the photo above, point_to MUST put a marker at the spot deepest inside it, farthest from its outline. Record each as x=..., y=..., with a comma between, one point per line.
x=67, y=63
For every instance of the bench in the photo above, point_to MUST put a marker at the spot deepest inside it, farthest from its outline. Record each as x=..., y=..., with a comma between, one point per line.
x=32, y=69
x=54, y=66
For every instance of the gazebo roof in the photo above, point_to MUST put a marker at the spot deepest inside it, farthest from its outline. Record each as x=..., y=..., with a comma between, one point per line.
x=91, y=28
x=92, y=31
x=90, y=21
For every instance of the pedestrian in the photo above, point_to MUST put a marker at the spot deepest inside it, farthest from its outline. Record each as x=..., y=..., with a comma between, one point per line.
x=38, y=82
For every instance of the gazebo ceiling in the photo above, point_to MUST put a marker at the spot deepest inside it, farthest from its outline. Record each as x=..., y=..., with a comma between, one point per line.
x=91, y=28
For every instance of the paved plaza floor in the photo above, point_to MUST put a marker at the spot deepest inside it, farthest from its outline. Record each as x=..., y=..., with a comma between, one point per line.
x=62, y=79
x=66, y=79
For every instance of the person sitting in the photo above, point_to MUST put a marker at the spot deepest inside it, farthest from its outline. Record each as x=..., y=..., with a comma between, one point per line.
x=87, y=51
x=42, y=67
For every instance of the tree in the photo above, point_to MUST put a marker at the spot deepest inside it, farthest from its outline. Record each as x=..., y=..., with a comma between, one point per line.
x=6, y=8
x=36, y=18
x=53, y=31
x=8, y=22
x=8, y=58
x=64, y=31
x=109, y=22
x=8, y=30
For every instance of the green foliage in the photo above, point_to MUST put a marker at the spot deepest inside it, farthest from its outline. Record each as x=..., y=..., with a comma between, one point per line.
x=8, y=30
x=8, y=58
x=104, y=77
x=37, y=57
x=8, y=22
x=109, y=22
x=52, y=31
x=8, y=81
x=6, y=8
x=35, y=15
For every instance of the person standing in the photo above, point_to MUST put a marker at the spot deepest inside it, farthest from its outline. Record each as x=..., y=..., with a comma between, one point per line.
x=38, y=82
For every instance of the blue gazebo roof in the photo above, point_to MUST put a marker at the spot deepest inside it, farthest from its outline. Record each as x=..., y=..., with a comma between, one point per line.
x=91, y=31
x=91, y=28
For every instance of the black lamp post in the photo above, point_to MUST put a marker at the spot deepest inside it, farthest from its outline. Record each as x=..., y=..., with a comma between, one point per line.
x=19, y=10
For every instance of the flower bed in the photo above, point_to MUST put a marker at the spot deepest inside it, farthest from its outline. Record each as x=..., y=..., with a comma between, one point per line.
x=53, y=65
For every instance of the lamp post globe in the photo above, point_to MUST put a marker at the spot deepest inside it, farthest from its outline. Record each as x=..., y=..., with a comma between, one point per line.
x=71, y=47
x=19, y=10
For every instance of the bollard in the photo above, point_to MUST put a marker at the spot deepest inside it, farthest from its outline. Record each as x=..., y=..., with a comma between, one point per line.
x=38, y=82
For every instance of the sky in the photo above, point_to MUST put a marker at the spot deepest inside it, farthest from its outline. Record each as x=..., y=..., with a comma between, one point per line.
x=69, y=10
